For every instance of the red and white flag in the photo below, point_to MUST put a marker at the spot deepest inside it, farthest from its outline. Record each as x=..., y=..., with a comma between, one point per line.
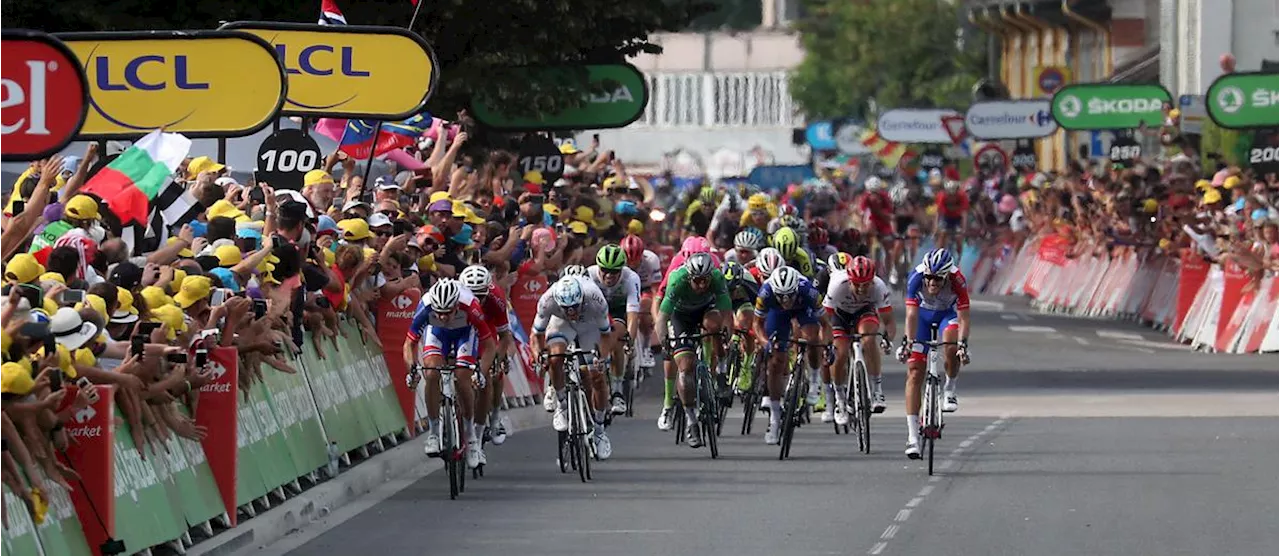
x=330, y=14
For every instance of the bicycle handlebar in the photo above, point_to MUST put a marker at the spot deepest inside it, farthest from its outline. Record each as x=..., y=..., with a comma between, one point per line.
x=934, y=343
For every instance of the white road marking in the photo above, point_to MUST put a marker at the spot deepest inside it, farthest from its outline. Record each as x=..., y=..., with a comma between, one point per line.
x=986, y=305
x=1081, y=341
x=1158, y=345
x=904, y=514
x=1119, y=335
x=1007, y=316
x=1141, y=349
x=1033, y=329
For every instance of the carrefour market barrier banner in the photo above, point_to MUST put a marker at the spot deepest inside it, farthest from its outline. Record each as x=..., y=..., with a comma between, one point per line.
x=394, y=318
x=1213, y=307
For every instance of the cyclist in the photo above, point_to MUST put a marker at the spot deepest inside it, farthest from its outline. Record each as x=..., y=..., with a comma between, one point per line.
x=696, y=296
x=787, y=242
x=768, y=261
x=574, y=311
x=786, y=295
x=936, y=297
x=820, y=240
x=877, y=210
x=857, y=301
x=743, y=289
x=648, y=267
x=621, y=288
x=952, y=216
x=449, y=320
x=493, y=303
x=906, y=200
x=745, y=246
x=760, y=210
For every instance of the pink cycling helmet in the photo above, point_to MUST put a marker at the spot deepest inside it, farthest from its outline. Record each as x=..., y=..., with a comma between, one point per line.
x=696, y=244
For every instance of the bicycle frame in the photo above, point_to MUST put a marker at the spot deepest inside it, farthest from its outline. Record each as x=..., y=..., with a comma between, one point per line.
x=931, y=421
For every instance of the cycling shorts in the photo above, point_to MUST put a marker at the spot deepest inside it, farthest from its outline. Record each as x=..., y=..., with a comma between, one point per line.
x=903, y=223
x=681, y=323
x=884, y=228
x=586, y=335
x=462, y=343
x=777, y=323
x=928, y=320
x=844, y=323
x=951, y=224
x=618, y=311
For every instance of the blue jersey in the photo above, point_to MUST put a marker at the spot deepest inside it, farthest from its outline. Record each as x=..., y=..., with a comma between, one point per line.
x=806, y=303
x=954, y=293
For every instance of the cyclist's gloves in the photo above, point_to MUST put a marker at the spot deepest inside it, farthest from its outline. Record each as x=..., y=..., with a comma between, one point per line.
x=904, y=349
x=963, y=352
x=885, y=345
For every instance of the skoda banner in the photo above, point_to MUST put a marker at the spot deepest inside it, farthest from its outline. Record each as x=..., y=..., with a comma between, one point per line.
x=1010, y=119
x=1094, y=106
x=197, y=83
x=617, y=95
x=350, y=71
x=1245, y=100
x=910, y=125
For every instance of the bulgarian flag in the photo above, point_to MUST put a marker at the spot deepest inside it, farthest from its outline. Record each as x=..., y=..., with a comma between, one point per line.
x=139, y=174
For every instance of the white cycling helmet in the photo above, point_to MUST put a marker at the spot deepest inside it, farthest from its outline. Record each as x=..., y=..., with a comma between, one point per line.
x=951, y=185
x=872, y=183
x=785, y=281
x=898, y=195
x=443, y=296
x=699, y=264
x=747, y=240
x=769, y=260
x=568, y=292
x=477, y=279
x=574, y=270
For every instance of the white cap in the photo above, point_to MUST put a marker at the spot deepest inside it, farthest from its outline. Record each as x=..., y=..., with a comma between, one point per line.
x=378, y=219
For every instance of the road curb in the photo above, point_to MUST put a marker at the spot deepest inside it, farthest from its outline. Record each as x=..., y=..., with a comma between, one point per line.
x=351, y=484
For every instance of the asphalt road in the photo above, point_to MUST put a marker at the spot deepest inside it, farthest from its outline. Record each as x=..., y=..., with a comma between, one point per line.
x=1073, y=437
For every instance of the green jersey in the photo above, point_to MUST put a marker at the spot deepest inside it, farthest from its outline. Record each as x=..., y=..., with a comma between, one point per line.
x=679, y=296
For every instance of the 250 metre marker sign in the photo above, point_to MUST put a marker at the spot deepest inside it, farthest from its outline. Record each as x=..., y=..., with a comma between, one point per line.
x=1109, y=106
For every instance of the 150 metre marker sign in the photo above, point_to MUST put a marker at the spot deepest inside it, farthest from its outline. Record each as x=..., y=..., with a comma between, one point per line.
x=1244, y=100
x=1109, y=106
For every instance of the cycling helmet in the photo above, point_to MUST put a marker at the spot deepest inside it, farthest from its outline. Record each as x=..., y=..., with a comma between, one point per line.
x=758, y=201
x=573, y=270
x=861, y=270
x=935, y=177
x=838, y=260
x=787, y=210
x=818, y=237
x=568, y=292
x=790, y=221
x=695, y=244
x=938, y=262
x=707, y=196
x=699, y=264
x=611, y=257
x=898, y=195
x=785, y=281
x=633, y=246
x=786, y=242
x=748, y=239
x=733, y=273
x=477, y=279
x=769, y=260
x=818, y=222
x=443, y=296
x=951, y=185
x=872, y=183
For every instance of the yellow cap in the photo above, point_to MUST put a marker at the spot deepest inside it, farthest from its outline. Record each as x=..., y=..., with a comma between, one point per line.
x=23, y=268
x=534, y=176
x=175, y=285
x=171, y=316
x=316, y=177
x=440, y=195
x=15, y=380
x=1164, y=244
x=228, y=256
x=578, y=227
x=635, y=227
x=1203, y=185
x=329, y=259
x=1150, y=206
x=584, y=214
x=81, y=207
x=53, y=276
x=66, y=361
x=1211, y=196
x=202, y=164
x=1175, y=113
x=551, y=208
x=1231, y=182
x=194, y=288
x=84, y=357
x=611, y=182
x=269, y=263
x=569, y=148
x=98, y=304
x=472, y=218
x=354, y=229
x=224, y=208
x=185, y=252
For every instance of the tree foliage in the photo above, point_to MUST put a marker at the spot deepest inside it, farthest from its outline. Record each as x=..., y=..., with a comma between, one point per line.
x=469, y=37
x=899, y=53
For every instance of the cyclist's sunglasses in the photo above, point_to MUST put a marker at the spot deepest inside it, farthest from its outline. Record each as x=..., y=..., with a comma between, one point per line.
x=934, y=277
x=607, y=272
x=785, y=298
x=701, y=281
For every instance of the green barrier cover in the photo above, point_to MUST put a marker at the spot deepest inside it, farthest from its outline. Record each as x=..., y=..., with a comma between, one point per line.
x=20, y=535
x=299, y=422
x=342, y=421
x=359, y=375
x=341, y=361
x=383, y=400
x=144, y=515
x=252, y=459
x=282, y=468
x=61, y=532
x=193, y=492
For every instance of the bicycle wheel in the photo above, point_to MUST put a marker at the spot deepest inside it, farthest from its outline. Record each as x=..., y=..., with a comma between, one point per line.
x=752, y=397
x=679, y=423
x=863, y=413
x=930, y=410
x=710, y=413
x=563, y=452
x=449, y=451
x=790, y=405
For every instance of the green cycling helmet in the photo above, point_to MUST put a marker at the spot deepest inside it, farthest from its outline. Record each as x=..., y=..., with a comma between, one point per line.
x=611, y=257
x=786, y=242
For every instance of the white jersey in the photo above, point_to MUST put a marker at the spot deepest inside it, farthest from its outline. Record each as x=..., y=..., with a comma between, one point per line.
x=626, y=292
x=842, y=297
x=595, y=310
x=650, y=270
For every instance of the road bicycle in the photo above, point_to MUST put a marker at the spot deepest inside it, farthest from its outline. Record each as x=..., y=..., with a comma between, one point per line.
x=573, y=448
x=859, y=388
x=931, y=424
x=734, y=366
x=453, y=444
x=708, y=411
x=752, y=396
x=794, y=405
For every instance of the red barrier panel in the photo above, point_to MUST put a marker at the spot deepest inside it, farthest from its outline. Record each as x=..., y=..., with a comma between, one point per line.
x=1234, y=282
x=91, y=452
x=1253, y=341
x=216, y=411
x=394, y=317
x=1191, y=276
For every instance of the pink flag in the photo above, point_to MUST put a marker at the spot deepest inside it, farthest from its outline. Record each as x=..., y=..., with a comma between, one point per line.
x=331, y=127
x=404, y=160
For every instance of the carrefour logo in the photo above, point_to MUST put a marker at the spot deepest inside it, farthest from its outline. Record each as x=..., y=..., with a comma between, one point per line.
x=212, y=83
x=401, y=302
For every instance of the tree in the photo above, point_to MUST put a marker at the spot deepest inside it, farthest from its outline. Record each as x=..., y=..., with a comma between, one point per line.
x=899, y=53
x=470, y=38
